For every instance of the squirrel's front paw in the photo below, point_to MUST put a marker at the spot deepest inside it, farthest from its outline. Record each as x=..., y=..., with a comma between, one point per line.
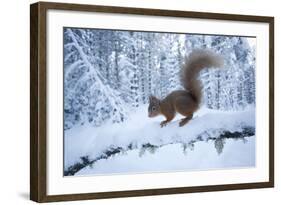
x=163, y=123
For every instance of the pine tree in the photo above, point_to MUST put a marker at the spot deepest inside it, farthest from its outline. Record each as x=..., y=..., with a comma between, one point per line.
x=108, y=72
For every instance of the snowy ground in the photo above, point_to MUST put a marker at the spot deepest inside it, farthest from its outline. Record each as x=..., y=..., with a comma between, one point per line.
x=92, y=141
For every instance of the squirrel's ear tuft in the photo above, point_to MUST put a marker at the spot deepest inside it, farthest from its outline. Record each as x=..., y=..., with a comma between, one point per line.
x=152, y=98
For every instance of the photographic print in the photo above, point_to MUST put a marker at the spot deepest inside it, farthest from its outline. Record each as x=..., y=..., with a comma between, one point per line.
x=149, y=102
x=162, y=102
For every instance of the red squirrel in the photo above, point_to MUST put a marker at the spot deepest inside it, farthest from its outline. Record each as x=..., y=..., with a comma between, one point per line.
x=186, y=101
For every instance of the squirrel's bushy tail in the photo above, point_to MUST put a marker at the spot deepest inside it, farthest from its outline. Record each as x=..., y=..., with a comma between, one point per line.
x=194, y=63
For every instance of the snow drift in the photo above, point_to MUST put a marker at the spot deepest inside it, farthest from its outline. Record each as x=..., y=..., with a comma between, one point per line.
x=140, y=130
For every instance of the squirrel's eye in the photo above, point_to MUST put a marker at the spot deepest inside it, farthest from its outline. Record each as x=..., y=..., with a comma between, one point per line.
x=153, y=108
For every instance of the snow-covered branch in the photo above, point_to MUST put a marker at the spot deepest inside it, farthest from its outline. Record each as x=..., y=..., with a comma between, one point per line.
x=243, y=134
x=118, y=108
x=140, y=131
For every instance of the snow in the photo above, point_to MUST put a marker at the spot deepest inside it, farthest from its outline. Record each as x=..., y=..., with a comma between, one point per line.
x=92, y=141
x=252, y=42
x=236, y=154
x=109, y=76
x=121, y=69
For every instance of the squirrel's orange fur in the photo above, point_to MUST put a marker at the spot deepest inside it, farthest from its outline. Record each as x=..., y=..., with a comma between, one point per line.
x=187, y=101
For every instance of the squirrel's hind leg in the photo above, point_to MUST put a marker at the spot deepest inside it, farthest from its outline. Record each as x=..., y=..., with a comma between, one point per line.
x=185, y=120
